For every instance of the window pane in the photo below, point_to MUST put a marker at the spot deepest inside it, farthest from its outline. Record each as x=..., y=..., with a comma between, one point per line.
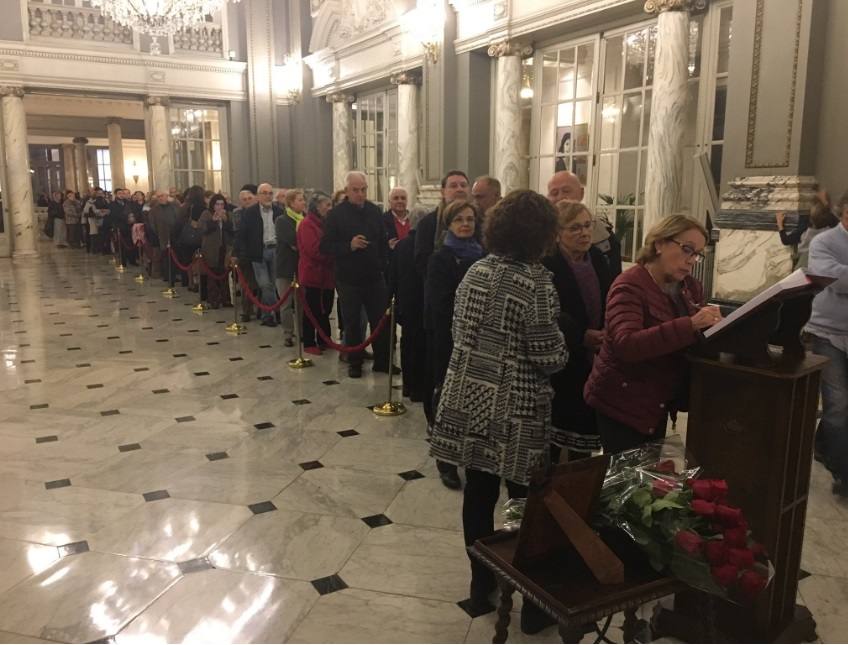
x=652, y=53
x=612, y=66
x=624, y=222
x=643, y=168
x=724, y=33
x=580, y=135
x=627, y=176
x=566, y=74
x=546, y=169
x=585, y=65
x=607, y=172
x=646, y=119
x=715, y=163
x=195, y=154
x=631, y=119
x=550, y=71
x=634, y=67
x=580, y=167
x=719, y=109
x=610, y=122
x=548, y=139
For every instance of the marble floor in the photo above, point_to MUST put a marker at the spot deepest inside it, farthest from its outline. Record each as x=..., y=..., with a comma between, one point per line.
x=163, y=481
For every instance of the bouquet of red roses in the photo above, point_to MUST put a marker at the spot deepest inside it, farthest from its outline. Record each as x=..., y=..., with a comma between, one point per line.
x=684, y=525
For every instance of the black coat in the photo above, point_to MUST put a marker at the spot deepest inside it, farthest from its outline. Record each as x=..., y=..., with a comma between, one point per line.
x=570, y=411
x=444, y=273
x=425, y=241
x=406, y=284
x=250, y=240
x=346, y=221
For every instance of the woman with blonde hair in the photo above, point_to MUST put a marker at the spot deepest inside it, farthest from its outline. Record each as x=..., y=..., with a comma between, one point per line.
x=287, y=257
x=654, y=313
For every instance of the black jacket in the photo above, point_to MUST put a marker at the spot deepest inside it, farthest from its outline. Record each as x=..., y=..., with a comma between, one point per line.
x=569, y=409
x=425, y=241
x=250, y=241
x=343, y=223
x=406, y=284
x=444, y=273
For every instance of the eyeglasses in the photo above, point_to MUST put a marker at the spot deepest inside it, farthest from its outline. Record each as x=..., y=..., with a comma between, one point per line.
x=576, y=228
x=266, y=192
x=689, y=251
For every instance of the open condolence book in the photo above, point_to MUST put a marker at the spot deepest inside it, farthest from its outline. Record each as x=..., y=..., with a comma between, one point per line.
x=797, y=281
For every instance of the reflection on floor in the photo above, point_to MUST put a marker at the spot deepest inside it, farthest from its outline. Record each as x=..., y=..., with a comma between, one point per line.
x=163, y=481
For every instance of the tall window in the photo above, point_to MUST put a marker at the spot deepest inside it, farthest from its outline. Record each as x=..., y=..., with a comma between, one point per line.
x=104, y=169
x=46, y=165
x=375, y=142
x=196, y=136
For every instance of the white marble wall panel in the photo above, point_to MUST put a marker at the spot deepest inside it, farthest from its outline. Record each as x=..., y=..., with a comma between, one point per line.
x=19, y=188
x=116, y=153
x=749, y=261
x=160, y=148
x=507, y=154
x=664, y=176
x=408, y=139
x=68, y=165
x=81, y=163
x=342, y=133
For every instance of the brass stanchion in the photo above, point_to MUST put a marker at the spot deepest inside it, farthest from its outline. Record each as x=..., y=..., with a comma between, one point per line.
x=300, y=362
x=390, y=408
x=201, y=307
x=234, y=328
x=170, y=292
x=140, y=277
x=120, y=243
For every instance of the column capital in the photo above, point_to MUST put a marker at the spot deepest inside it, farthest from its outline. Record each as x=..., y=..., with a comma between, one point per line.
x=12, y=90
x=509, y=48
x=340, y=97
x=114, y=120
x=164, y=101
x=409, y=77
x=81, y=140
x=658, y=6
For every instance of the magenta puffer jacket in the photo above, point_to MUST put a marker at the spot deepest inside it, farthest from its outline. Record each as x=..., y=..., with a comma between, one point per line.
x=314, y=269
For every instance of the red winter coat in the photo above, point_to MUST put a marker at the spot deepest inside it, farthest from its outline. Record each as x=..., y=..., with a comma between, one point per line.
x=641, y=372
x=314, y=269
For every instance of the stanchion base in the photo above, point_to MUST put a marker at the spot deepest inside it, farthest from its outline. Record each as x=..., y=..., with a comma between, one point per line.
x=200, y=308
x=120, y=268
x=389, y=409
x=170, y=293
x=300, y=363
x=139, y=278
x=112, y=261
x=235, y=329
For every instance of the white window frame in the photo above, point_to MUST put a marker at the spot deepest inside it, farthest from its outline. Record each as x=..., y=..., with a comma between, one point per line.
x=388, y=172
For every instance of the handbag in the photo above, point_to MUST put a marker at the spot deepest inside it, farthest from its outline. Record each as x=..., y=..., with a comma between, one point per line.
x=190, y=237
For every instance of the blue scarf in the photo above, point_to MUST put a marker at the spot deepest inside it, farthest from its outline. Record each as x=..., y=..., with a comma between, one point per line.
x=465, y=249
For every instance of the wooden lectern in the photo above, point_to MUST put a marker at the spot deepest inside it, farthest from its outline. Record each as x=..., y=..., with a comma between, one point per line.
x=752, y=415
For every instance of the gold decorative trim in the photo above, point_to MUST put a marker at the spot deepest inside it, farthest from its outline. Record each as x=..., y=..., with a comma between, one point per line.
x=658, y=6
x=755, y=87
x=509, y=48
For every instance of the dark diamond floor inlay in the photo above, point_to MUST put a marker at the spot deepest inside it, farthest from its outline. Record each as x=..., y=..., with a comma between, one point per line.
x=39, y=406
x=83, y=364
x=376, y=520
x=30, y=381
x=180, y=355
x=73, y=548
x=236, y=358
x=262, y=507
x=155, y=495
x=302, y=402
x=264, y=378
x=201, y=373
x=347, y=433
x=57, y=483
x=125, y=351
x=47, y=439
x=227, y=397
x=217, y=456
x=213, y=342
x=129, y=447
x=28, y=360
x=94, y=386
x=330, y=382
x=311, y=465
x=474, y=611
x=161, y=391
x=112, y=337
x=329, y=584
x=185, y=419
x=109, y=413
x=264, y=347
x=263, y=426
x=193, y=566
x=409, y=475
x=141, y=369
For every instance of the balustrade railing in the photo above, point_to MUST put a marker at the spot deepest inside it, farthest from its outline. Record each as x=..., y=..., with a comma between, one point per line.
x=208, y=39
x=75, y=23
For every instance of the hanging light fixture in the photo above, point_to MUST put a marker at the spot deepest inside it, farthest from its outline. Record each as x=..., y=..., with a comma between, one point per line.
x=159, y=18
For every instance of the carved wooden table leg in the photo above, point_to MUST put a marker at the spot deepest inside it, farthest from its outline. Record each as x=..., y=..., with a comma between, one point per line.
x=570, y=633
x=504, y=607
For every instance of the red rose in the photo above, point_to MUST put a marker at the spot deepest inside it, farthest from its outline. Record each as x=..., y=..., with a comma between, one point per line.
x=719, y=489
x=725, y=574
x=742, y=558
x=730, y=516
x=758, y=550
x=736, y=537
x=661, y=487
x=751, y=583
x=701, y=489
x=716, y=552
x=702, y=507
x=666, y=466
x=689, y=542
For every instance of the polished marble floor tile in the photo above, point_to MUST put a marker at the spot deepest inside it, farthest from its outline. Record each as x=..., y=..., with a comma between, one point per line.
x=827, y=597
x=20, y=560
x=427, y=502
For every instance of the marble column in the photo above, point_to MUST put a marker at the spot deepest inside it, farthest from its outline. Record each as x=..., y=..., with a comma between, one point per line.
x=116, y=152
x=507, y=164
x=342, y=136
x=159, y=139
x=664, y=175
x=408, y=163
x=69, y=168
x=81, y=163
x=18, y=191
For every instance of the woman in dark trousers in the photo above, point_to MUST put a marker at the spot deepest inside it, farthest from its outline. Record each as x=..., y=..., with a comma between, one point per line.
x=316, y=273
x=190, y=236
x=653, y=315
x=445, y=270
x=581, y=276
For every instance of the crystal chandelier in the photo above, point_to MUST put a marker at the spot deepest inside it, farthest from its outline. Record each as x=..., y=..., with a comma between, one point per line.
x=159, y=18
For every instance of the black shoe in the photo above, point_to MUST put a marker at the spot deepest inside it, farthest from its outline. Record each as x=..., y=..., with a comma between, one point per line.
x=245, y=318
x=354, y=371
x=533, y=619
x=269, y=322
x=288, y=342
x=383, y=368
x=450, y=478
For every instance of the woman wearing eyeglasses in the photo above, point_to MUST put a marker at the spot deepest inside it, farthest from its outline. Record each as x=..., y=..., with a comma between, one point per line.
x=653, y=314
x=582, y=278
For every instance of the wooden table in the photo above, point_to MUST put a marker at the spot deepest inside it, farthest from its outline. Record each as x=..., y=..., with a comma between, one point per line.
x=564, y=588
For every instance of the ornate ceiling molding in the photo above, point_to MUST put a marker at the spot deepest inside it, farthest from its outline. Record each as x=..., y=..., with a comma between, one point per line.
x=658, y=6
x=409, y=77
x=12, y=90
x=509, y=48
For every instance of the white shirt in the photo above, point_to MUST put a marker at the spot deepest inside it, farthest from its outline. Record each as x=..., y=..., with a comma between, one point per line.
x=269, y=234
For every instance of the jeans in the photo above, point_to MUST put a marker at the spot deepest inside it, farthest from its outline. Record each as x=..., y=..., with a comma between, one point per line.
x=374, y=297
x=286, y=311
x=833, y=429
x=320, y=303
x=263, y=270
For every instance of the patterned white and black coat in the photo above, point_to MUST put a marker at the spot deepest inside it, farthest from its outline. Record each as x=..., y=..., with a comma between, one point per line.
x=494, y=412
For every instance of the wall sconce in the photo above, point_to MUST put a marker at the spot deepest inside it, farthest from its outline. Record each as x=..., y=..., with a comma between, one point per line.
x=426, y=24
x=289, y=78
x=431, y=51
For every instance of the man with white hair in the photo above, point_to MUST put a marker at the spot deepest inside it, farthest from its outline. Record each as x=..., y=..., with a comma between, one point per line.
x=565, y=186
x=396, y=219
x=247, y=198
x=256, y=242
x=354, y=235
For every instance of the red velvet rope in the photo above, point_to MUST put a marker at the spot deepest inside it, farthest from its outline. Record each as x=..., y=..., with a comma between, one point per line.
x=181, y=267
x=329, y=341
x=245, y=289
x=208, y=271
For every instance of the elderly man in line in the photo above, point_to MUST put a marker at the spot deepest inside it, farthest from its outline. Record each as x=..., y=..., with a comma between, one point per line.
x=246, y=199
x=485, y=193
x=355, y=236
x=566, y=186
x=431, y=228
x=162, y=219
x=256, y=242
x=396, y=219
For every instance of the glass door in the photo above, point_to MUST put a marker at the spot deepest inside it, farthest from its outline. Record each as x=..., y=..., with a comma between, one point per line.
x=375, y=142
